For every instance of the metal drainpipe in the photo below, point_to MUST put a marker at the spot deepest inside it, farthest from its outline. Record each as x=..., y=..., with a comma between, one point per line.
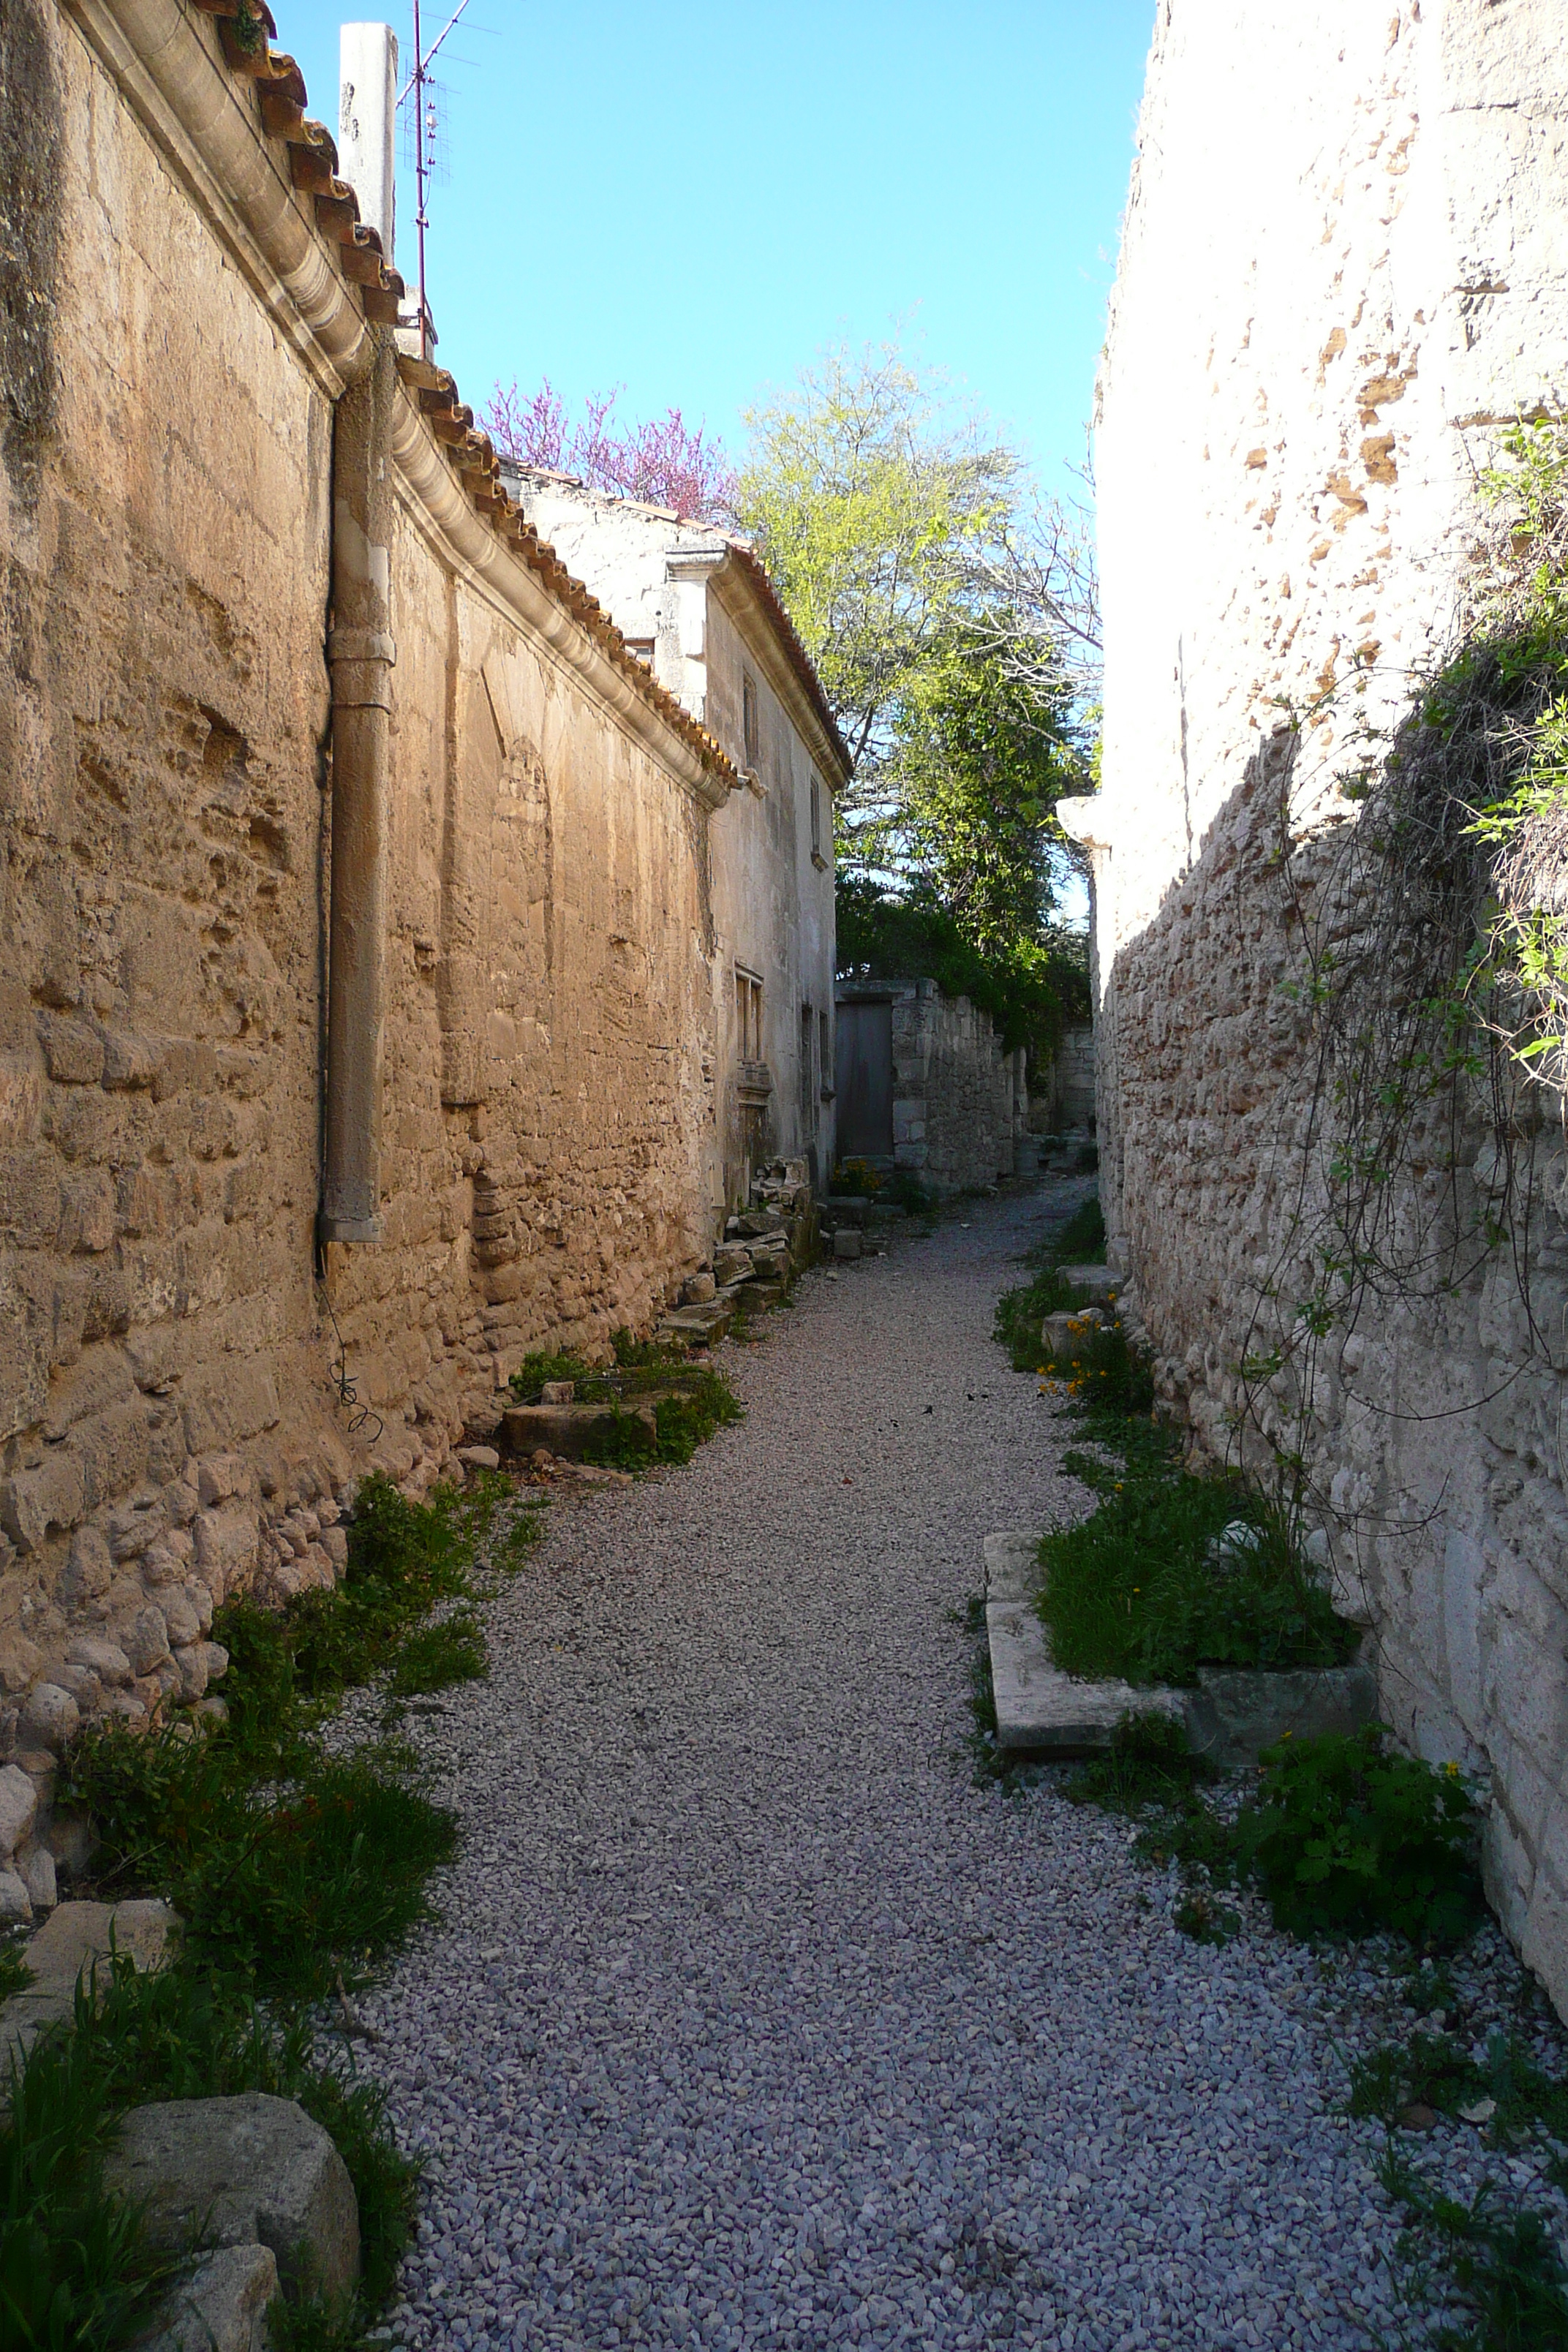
x=360, y=653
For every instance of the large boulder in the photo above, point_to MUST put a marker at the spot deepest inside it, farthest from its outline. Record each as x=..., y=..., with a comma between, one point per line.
x=251, y=2170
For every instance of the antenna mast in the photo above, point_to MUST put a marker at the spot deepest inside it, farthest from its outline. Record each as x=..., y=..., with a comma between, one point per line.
x=423, y=166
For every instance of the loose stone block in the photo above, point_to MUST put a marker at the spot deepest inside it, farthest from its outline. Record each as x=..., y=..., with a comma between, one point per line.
x=1040, y=1710
x=562, y=1429
x=251, y=2170
x=847, y=1244
x=1096, y=1284
x=703, y=1324
x=1233, y=1716
x=222, y=2306
x=18, y=1810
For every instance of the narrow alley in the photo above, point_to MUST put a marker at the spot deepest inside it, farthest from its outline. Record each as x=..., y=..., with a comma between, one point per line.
x=753, y=2019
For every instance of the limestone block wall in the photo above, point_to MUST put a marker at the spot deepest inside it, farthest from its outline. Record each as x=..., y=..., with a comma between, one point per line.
x=1345, y=264
x=957, y=1098
x=177, y=327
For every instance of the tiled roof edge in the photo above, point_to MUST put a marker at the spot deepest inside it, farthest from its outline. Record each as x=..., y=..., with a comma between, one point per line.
x=800, y=661
x=313, y=169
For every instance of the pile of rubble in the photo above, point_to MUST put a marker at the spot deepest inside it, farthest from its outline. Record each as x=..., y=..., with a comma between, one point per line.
x=764, y=1248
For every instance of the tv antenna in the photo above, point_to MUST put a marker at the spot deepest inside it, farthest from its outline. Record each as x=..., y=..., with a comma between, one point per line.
x=429, y=144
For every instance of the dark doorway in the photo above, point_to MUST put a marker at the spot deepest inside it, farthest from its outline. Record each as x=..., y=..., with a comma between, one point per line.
x=865, y=1077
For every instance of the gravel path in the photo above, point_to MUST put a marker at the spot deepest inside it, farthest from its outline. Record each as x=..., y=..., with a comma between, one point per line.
x=754, y=2021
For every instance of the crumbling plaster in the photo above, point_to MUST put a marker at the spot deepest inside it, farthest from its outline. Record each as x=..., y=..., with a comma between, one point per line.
x=1346, y=263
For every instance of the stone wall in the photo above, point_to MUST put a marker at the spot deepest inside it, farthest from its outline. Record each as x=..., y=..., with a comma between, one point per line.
x=1343, y=268
x=958, y=1099
x=173, y=1423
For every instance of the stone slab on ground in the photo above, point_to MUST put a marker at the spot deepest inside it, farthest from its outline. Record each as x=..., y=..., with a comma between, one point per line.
x=1040, y=1710
x=1230, y=1718
x=563, y=1429
x=1012, y=1564
x=79, y=1937
x=1097, y=1283
x=251, y=2170
x=1233, y=1715
x=705, y=1325
x=222, y=2306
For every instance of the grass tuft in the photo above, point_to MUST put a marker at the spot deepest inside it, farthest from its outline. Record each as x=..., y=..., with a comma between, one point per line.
x=1143, y=1590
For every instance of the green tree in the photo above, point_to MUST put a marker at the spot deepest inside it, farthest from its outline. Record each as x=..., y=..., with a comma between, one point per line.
x=982, y=751
x=950, y=612
x=862, y=488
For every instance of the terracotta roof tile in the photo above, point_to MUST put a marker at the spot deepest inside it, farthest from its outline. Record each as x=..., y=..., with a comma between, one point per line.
x=281, y=98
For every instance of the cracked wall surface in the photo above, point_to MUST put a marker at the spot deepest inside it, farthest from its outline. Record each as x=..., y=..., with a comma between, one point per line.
x=1345, y=264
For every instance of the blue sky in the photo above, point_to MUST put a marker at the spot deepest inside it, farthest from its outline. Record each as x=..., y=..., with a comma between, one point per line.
x=691, y=202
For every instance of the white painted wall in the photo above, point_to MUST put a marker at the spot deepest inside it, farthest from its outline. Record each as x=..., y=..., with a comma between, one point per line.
x=674, y=582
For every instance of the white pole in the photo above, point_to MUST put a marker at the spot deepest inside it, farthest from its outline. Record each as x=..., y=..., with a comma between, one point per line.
x=367, y=114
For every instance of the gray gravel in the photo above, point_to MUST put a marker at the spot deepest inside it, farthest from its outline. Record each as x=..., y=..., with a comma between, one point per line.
x=754, y=2021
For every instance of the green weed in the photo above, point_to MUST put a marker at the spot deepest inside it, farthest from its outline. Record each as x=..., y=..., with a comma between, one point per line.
x=1346, y=1837
x=15, y=1976
x=1505, y=2090
x=438, y=1656
x=1019, y=1313
x=1198, y=1915
x=76, y=2268
x=1138, y=1590
x=544, y=1365
x=1147, y=1762
x=1499, y=2263
x=682, y=1422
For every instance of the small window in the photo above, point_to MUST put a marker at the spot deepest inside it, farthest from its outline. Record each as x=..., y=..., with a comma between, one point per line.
x=749, y=1014
x=825, y=1056
x=807, y=1089
x=749, y=726
x=816, y=817
x=643, y=649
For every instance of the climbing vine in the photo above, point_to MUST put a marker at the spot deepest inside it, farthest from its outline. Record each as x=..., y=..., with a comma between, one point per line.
x=1430, y=896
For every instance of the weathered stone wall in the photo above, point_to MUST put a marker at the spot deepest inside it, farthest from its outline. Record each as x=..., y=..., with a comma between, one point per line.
x=958, y=1099
x=1343, y=266
x=170, y=1427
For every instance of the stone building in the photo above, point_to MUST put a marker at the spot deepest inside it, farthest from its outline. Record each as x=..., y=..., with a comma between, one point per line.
x=358, y=1018
x=1344, y=267
x=699, y=608
x=925, y=1086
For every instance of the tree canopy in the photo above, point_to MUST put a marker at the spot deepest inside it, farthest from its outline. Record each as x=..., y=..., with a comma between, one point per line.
x=949, y=608
x=951, y=611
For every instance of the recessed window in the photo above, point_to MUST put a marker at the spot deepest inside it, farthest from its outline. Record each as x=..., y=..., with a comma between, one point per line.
x=807, y=1089
x=749, y=1014
x=751, y=726
x=643, y=648
x=825, y=1054
x=816, y=817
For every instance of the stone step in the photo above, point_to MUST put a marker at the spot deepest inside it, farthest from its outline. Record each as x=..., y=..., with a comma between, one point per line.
x=1097, y=1285
x=565, y=1429
x=703, y=1324
x=1231, y=1716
